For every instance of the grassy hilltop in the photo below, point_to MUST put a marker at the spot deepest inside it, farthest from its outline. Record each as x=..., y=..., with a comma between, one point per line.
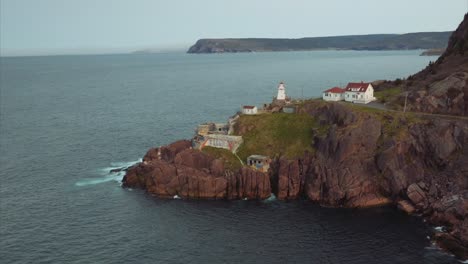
x=291, y=135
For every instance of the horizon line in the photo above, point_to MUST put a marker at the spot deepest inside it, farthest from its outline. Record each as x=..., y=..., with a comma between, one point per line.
x=149, y=50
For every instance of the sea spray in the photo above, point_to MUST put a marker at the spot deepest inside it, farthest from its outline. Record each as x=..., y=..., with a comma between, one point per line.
x=115, y=172
x=270, y=199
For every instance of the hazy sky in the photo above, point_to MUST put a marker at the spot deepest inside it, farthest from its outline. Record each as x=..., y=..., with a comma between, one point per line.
x=103, y=26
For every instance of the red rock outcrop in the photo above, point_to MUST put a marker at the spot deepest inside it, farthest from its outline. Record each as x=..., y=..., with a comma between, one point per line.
x=361, y=161
x=190, y=173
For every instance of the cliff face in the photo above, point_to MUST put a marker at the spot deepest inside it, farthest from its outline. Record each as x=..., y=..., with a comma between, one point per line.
x=179, y=170
x=442, y=87
x=362, y=160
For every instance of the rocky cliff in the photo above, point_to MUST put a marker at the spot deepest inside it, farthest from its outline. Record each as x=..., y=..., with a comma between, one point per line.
x=363, y=159
x=179, y=170
x=442, y=87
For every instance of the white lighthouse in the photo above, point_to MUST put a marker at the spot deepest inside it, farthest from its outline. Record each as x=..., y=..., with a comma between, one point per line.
x=281, y=92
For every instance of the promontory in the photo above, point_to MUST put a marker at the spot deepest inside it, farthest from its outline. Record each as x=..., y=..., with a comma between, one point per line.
x=410, y=41
x=414, y=154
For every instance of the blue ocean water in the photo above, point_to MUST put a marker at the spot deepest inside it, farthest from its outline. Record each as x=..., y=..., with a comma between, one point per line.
x=65, y=121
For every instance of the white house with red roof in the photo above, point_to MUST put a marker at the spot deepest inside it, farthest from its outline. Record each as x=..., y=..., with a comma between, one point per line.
x=249, y=110
x=334, y=94
x=361, y=93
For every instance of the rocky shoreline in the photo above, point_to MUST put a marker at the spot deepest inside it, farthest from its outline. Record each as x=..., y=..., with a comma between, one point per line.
x=349, y=156
x=420, y=166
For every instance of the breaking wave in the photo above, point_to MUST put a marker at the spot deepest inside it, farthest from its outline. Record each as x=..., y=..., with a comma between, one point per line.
x=270, y=199
x=107, y=175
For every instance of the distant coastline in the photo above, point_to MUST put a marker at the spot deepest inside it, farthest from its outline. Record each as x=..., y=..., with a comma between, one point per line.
x=433, y=52
x=410, y=41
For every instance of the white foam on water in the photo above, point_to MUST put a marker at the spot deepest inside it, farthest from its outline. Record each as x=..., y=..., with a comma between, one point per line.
x=107, y=175
x=127, y=164
x=93, y=181
x=270, y=199
x=435, y=247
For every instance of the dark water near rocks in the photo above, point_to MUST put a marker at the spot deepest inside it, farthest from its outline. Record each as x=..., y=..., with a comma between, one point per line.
x=66, y=120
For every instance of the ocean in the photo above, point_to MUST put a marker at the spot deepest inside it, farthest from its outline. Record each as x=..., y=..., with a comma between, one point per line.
x=65, y=121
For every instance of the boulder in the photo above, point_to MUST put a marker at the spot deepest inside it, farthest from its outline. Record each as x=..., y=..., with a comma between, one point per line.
x=416, y=195
x=168, y=152
x=406, y=206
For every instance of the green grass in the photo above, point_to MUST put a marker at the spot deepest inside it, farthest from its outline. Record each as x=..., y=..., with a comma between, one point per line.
x=364, y=109
x=276, y=134
x=230, y=160
x=387, y=94
x=394, y=124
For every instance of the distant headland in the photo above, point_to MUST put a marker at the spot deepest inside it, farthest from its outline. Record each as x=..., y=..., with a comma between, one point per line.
x=410, y=41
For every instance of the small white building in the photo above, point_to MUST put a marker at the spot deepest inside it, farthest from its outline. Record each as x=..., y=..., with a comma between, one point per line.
x=249, y=110
x=281, y=92
x=334, y=94
x=259, y=162
x=361, y=93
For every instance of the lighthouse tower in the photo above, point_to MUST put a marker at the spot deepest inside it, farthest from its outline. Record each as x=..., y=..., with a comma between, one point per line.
x=281, y=92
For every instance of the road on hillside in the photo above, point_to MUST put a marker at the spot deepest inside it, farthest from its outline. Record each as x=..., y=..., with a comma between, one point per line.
x=381, y=106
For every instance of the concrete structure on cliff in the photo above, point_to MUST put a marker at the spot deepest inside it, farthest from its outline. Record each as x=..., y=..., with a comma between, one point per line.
x=231, y=143
x=217, y=135
x=259, y=162
x=213, y=128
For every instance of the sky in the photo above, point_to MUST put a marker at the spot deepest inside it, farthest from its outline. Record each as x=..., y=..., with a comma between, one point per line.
x=48, y=27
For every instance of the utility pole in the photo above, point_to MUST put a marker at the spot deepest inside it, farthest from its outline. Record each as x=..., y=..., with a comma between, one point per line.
x=406, y=100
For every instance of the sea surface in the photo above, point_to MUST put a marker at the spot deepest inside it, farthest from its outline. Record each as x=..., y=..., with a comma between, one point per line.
x=65, y=121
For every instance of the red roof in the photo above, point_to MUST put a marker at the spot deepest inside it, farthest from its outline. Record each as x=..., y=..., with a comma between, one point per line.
x=362, y=86
x=335, y=90
x=248, y=107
